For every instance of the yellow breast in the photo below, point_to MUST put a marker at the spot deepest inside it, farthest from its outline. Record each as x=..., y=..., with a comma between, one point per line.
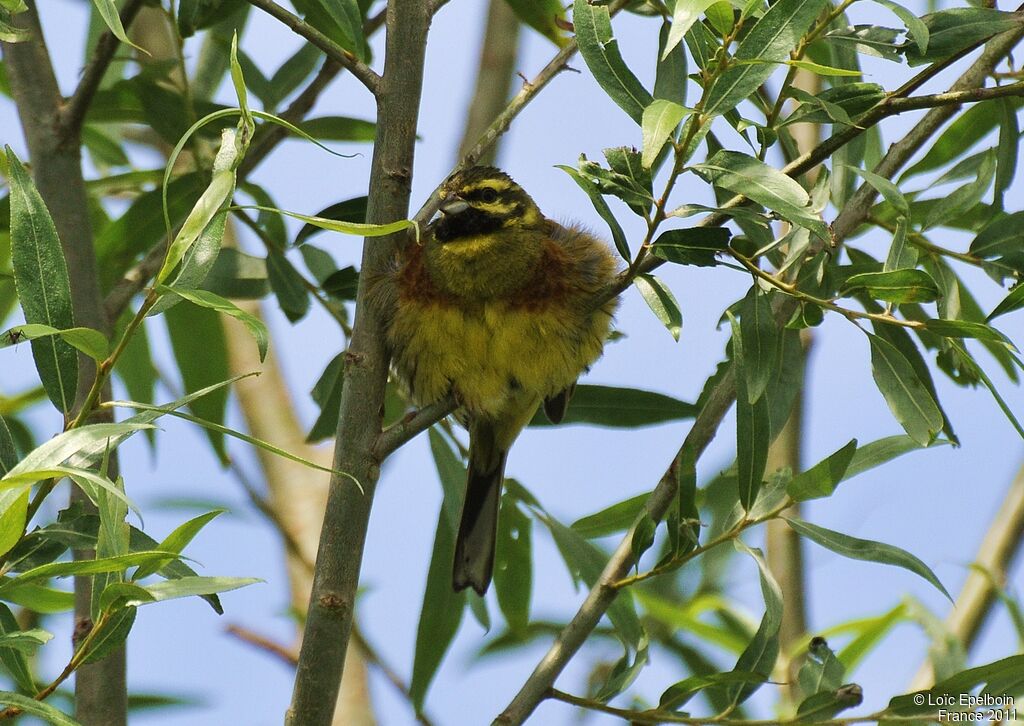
x=493, y=353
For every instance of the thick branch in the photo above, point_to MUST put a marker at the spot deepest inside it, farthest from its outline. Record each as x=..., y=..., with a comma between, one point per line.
x=73, y=114
x=336, y=579
x=346, y=58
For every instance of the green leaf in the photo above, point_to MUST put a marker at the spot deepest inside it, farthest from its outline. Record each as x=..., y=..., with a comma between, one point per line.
x=821, y=670
x=40, y=599
x=965, y=198
x=670, y=77
x=237, y=275
x=340, y=128
x=916, y=28
x=176, y=541
x=908, y=398
x=1003, y=235
x=212, y=202
x=197, y=339
x=617, y=518
x=967, y=329
x=658, y=124
x=32, y=707
x=954, y=29
x=889, y=191
x=742, y=174
x=586, y=562
x=693, y=246
x=112, y=635
x=44, y=290
x=286, y=282
x=1013, y=301
x=190, y=586
x=769, y=41
x=966, y=130
x=333, y=225
x=902, y=255
x=207, y=299
x=1007, y=149
x=760, y=342
x=118, y=563
x=760, y=654
x=108, y=11
x=15, y=656
x=54, y=452
x=350, y=210
x=819, y=69
x=327, y=395
x=879, y=452
x=513, y=564
x=678, y=694
x=865, y=549
x=899, y=286
x=620, y=408
x=840, y=104
x=600, y=51
x=91, y=342
x=686, y=13
x=753, y=429
x=341, y=20
x=442, y=608
x=543, y=16
x=661, y=301
x=991, y=674
x=821, y=479
x=826, y=704
x=592, y=190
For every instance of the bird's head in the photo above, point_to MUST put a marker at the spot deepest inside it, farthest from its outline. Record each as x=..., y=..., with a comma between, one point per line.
x=483, y=200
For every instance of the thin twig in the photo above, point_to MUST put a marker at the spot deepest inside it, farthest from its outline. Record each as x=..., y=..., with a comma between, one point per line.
x=73, y=113
x=362, y=72
x=262, y=642
x=397, y=435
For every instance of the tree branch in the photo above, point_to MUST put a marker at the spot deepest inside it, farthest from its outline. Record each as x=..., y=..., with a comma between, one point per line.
x=722, y=395
x=73, y=113
x=363, y=73
x=343, y=536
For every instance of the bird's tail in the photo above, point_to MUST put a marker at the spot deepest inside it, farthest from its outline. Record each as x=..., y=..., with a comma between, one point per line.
x=478, y=530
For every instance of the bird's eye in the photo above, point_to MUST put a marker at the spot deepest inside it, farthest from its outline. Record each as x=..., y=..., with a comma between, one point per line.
x=489, y=195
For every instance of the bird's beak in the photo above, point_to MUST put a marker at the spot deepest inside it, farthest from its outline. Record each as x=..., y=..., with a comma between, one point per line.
x=453, y=204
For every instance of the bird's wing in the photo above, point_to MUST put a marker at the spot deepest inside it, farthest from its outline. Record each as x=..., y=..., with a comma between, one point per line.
x=556, y=406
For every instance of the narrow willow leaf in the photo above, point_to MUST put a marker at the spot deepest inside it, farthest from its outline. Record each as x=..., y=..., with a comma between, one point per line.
x=177, y=540
x=840, y=104
x=821, y=479
x=965, y=198
x=867, y=550
x=81, y=567
x=821, y=670
x=899, y=286
x=543, y=16
x=902, y=255
x=1003, y=235
x=618, y=236
x=661, y=301
x=889, y=191
x=743, y=174
x=620, y=408
x=61, y=447
x=107, y=10
x=819, y=69
x=333, y=225
x=760, y=654
x=238, y=81
x=966, y=130
x=1007, y=149
x=769, y=41
x=908, y=398
x=207, y=299
x=91, y=342
x=686, y=13
x=693, y=246
x=1013, y=301
x=200, y=350
x=14, y=658
x=967, y=329
x=513, y=564
x=191, y=586
x=954, y=29
x=288, y=287
x=965, y=681
x=659, y=122
x=600, y=51
x=670, y=79
x=760, y=342
x=826, y=704
x=442, y=608
x=916, y=28
x=32, y=707
x=678, y=694
x=880, y=452
x=617, y=518
x=211, y=203
x=41, y=277
x=341, y=20
x=968, y=361
x=753, y=430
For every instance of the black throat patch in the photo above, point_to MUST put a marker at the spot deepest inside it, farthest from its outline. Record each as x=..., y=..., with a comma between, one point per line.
x=469, y=223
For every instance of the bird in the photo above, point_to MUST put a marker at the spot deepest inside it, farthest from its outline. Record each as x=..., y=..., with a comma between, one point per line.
x=495, y=306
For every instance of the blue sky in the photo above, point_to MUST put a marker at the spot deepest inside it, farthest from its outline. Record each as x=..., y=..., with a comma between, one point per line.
x=934, y=503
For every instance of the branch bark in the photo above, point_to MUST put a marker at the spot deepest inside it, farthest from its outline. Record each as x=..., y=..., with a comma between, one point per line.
x=343, y=536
